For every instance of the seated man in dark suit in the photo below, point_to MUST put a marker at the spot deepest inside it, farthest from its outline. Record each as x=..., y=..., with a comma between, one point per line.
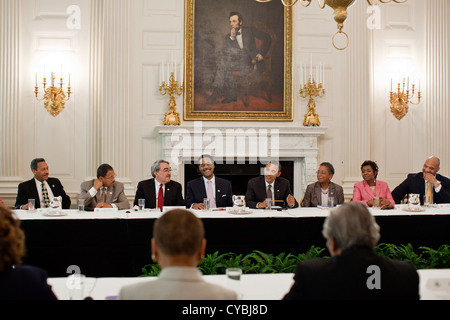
x=418, y=183
x=270, y=185
x=105, y=191
x=354, y=271
x=161, y=190
x=221, y=194
x=41, y=188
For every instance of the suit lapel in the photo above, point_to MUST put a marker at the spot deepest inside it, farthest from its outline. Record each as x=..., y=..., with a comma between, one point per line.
x=109, y=194
x=202, y=188
x=218, y=189
x=52, y=187
x=318, y=193
x=277, y=189
x=152, y=193
x=332, y=188
x=35, y=193
x=422, y=185
x=168, y=192
x=261, y=188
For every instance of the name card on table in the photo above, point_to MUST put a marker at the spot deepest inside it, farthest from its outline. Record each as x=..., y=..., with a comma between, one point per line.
x=106, y=210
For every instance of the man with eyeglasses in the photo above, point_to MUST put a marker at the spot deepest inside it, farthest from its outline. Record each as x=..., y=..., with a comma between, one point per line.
x=217, y=190
x=105, y=191
x=161, y=190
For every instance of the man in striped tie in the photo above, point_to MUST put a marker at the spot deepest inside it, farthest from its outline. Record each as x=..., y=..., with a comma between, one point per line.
x=42, y=188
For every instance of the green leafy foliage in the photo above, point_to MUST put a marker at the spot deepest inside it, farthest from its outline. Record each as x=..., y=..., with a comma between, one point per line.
x=260, y=262
x=437, y=259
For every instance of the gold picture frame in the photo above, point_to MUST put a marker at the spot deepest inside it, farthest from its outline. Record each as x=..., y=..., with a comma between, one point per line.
x=206, y=27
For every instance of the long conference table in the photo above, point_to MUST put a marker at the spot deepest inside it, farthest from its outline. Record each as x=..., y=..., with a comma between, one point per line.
x=117, y=243
x=434, y=284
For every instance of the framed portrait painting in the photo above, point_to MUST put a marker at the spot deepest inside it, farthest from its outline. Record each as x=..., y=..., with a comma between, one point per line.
x=238, y=61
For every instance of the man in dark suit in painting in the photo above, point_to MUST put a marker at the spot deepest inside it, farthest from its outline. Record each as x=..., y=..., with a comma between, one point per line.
x=240, y=54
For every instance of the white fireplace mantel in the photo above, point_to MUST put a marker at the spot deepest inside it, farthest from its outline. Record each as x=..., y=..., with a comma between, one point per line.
x=240, y=142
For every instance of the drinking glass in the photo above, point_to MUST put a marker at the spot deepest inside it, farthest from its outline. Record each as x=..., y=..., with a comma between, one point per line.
x=268, y=204
x=206, y=205
x=376, y=202
x=80, y=205
x=331, y=202
x=31, y=205
x=141, y=203
x=234, y=280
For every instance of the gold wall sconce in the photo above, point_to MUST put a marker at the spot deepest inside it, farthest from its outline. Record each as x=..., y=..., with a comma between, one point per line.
x=54, y=96
x=399, y=99
x=340, y=11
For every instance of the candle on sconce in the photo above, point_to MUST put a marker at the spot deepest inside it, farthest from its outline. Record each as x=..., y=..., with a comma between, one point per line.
x=301, y=77
x=323, y=75
x=69, y=79
x=35, y=81
x=182, y=72
x=318, y=74
x=310, y=67
x=168, y=73
x=163, y=71
x=305, y=80
x=175, y=68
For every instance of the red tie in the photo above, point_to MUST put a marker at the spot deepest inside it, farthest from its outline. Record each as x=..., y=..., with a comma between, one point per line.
x=160, y=197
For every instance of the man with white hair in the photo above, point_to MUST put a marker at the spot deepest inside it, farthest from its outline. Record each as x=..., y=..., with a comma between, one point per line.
x=426, y=182
x=354, y=271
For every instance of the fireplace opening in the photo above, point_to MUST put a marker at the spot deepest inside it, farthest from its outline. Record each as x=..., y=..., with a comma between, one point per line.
x=239, y=174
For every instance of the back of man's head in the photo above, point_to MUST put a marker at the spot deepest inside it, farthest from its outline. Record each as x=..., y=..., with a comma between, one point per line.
x=178, y=232
x=351, y=225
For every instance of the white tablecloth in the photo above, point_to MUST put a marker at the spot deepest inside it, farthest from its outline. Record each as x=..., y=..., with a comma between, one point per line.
x=443, y=209
x=434, y=285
